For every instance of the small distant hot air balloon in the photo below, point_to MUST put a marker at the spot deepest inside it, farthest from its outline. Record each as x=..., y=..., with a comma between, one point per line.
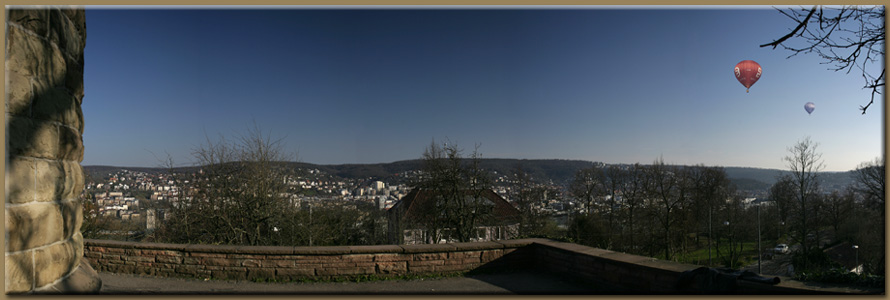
x=747, y=72
x=809, y=107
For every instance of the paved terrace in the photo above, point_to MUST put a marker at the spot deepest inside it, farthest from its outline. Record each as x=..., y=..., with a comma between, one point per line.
x=527, y=266
x=484, y=284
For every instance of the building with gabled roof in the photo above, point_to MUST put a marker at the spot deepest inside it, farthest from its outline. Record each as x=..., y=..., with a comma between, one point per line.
x=407, y=216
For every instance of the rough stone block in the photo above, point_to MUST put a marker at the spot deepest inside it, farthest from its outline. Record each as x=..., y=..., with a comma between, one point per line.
x=490, y=255
x=74, y=78
x=191, y=261
x=128, y=269
x=26, y=54
x=294, y=273
x=366, y=264
x=260, y=273
x=27, y=137
x=327, y=271
x=187, y=270
x=111, y=257
x=77, y=16
x=70, y=145
x=57, y=104
x=72, y=217
x=392, y=267
x=430, y=256
x=53, y=262
x=84, y=280
x=339, y=265
x=55, y=68
x=64, y=33
x=20, y=185
x=311, y=262
x=359, y=271
x=73, y=184
x=393, y=257
x=358, y=257
x=277, y=263
x=33, y=225
x=210, y=261
x=466, y=254
x=144, y=270
x=19, y=272
x=34, y=20
x=77, y=238
x=426, y=263
x=18, y=94
x=421, y=269
x=462, y=261
x=452, y=268
x=50, y=180
x=140, y=259
x=169, y=259
x=250, y=263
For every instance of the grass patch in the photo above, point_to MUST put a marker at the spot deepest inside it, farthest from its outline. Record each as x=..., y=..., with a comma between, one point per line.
x=700, y=256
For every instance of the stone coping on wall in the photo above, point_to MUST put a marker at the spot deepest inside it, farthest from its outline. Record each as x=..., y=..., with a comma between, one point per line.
x=316, y=250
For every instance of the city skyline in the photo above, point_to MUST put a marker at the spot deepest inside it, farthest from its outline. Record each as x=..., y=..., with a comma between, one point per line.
x=345, y=86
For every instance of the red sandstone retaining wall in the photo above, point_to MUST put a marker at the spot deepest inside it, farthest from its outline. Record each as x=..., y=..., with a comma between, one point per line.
x=632, y=273
x=296, y=263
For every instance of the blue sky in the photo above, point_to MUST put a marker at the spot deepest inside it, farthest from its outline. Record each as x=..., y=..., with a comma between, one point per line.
x=374, y=85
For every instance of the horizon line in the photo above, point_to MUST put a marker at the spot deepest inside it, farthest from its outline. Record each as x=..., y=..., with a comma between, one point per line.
x=529, y=159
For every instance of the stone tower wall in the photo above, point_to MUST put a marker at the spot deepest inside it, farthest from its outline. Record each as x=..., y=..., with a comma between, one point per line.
x=44, y=148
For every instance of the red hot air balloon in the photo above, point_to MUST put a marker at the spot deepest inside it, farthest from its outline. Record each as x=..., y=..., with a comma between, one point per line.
x=747, y=72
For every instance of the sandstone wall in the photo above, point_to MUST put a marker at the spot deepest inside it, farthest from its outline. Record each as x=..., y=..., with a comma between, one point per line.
x=300, y=263
x=44, y=148
x=607, y=270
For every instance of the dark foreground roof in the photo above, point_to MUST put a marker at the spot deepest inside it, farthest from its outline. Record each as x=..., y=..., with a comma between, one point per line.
x=419, y=200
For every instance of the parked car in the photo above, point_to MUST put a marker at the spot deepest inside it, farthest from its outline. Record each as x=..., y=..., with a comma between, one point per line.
x=781, y=249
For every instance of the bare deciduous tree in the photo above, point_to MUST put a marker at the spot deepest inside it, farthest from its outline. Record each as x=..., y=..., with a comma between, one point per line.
x=587, y=186
x=458, y=185
x=845, y=37
x=839, y=208
x=711, y=188
x=667, y=192
x=804, y=162
x=871, y=181
x=782, y=192
x=237, y=197
x=633, y=193
x=527, y=196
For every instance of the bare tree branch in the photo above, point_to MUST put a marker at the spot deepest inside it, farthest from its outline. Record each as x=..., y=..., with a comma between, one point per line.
x=874, y=90
x=853, y=36
x=802, y=24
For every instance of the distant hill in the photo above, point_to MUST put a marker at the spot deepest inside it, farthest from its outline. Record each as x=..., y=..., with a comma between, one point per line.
x=560, y=171
x=757, y=179
x=765, y=176
x=542, y=169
